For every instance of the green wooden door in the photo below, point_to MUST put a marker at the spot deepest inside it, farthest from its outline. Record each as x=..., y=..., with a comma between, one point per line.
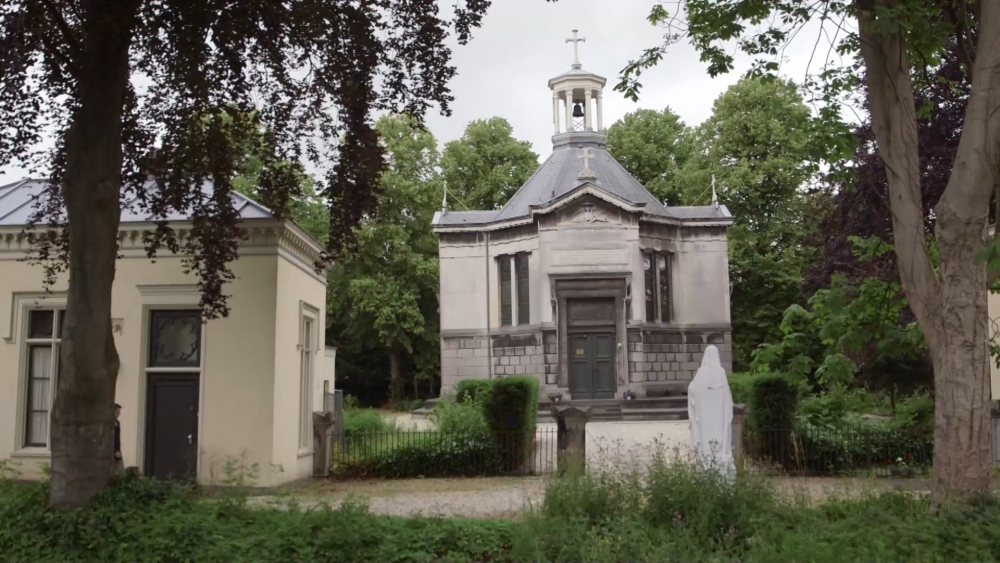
x=592, y=366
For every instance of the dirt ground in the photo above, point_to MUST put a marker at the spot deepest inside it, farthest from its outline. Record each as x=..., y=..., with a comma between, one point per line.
x=508, y=497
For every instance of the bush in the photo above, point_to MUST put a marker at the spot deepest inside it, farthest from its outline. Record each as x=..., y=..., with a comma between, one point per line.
x=464, y=417
x=358, y=422
x=773, y=400
x=511, y=409
x=473, y=389
x=440, y=455
x=741, y=385
x=862, y=444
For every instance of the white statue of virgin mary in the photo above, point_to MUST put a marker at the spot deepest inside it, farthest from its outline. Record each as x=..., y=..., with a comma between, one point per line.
x=710, y=410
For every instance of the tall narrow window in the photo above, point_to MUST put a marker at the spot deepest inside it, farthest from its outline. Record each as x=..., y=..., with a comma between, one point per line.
x=506, y=300
x=307, y=349
x=44, y=332
x=650, y=278
x=663, y=273
x=523, y=302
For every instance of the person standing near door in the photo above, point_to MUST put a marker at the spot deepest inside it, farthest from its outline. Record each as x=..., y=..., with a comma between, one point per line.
x=119, y=462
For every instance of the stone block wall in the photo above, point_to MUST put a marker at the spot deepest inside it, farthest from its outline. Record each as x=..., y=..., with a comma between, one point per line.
x=673, y=356
x=463, y=358
x=529, y=353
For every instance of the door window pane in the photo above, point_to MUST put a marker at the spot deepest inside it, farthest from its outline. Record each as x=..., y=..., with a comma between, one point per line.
x=39, y=396
x=175, y=339
x=523, y=301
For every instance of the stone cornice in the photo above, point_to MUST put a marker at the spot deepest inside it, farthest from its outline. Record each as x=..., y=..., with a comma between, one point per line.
x=282, y=236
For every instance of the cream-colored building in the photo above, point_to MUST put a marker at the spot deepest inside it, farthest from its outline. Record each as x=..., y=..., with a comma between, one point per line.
x=583, y=279
x=194, y=396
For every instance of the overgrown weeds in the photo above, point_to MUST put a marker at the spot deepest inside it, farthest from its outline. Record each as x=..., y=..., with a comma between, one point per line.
x=669, y=512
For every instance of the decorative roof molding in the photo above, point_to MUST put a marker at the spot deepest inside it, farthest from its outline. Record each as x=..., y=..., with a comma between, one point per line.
x=280, y=234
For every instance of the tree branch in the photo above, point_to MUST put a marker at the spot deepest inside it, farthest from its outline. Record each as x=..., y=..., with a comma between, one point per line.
x=890, y=95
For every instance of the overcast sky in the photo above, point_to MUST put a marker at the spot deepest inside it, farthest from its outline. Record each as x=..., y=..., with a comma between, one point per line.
x=505, y=69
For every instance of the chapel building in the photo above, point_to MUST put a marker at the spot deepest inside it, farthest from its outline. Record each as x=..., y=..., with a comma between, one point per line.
x=583, y=279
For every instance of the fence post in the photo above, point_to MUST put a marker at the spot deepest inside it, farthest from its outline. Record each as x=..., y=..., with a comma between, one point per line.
x=571, y=441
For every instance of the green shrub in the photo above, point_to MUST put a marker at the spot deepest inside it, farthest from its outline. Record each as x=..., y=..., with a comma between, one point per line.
x=773, y=401
x=915, y=413
x=358, y=422
x=741, y=385
x=861, y=444
x=473, y=389
x=440, y=455
x=511, y=409
x=464, y=417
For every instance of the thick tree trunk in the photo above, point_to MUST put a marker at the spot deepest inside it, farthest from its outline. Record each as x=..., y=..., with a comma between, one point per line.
x=395, y=376
x=82, y=417
x=950, y=305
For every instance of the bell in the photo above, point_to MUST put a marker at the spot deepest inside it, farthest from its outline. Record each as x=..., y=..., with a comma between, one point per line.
x=577, y=110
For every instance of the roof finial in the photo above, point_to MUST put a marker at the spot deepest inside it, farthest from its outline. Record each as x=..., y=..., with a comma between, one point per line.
x=586, y=173
x=576, y=47
x=715, y=198
x=444, y=198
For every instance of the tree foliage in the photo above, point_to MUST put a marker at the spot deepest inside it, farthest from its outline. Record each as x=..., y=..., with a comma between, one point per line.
x=896, y=46
x=114, y=80
x=757, y=146
x=487, y=165
x=653, y=146
x=850, y=330
x=385, y=287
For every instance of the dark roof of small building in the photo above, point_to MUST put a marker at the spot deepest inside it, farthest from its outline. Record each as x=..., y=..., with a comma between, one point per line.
x=17, y=204
x=560, y=174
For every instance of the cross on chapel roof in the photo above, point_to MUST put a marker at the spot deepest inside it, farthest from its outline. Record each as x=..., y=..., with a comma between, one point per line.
x=576, y=47
x=586, y=174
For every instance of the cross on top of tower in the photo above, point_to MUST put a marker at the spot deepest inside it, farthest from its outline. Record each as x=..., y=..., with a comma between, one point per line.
x=586, y=174
x=576, y=47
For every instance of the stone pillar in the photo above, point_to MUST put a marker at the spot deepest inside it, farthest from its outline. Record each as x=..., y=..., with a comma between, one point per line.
x=569, y=110
x=555, y=111
x=572, y=437
x=739, y=420
x=588, y=120
x=600, y=112
x=323, y=423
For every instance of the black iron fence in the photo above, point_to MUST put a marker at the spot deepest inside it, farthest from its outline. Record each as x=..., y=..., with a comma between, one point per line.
x=879, y=451
x=433, y=453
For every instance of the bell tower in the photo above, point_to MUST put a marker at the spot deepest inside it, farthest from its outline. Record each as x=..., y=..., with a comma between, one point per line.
x=577, y=97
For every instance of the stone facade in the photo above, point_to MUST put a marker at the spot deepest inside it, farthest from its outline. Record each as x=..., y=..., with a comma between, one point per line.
x=673, y=356
x=654, y=356
x=466, y=357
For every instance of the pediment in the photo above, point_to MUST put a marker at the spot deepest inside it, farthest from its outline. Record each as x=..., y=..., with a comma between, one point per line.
x=589, y=211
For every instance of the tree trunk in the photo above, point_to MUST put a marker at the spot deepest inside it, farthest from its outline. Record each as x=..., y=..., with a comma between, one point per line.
x=82, y=417
x=395, y=376
x=950, y=305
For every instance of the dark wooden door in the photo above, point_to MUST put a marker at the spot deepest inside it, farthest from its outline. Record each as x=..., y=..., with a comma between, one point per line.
x=592, y=366
x=172, y=426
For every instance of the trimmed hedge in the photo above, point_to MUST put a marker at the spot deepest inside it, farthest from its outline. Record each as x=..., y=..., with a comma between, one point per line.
x=773, y=400
x=511, y=411
x=473, y=389
x=443, y=456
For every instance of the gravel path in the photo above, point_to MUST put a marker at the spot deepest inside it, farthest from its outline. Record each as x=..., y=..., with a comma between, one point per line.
x=469, y=499
x=508, y=497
